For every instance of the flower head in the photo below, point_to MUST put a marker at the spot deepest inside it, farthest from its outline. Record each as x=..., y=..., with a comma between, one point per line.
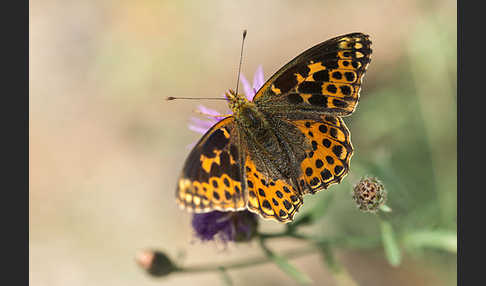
x=227, y=226
x=369, y=194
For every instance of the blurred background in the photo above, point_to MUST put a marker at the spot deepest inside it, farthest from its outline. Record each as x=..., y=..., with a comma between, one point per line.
x=106, y=148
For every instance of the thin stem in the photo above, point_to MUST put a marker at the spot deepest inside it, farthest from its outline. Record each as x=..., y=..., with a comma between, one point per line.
x=351, y=242
x=273, y=235
x=248, y=262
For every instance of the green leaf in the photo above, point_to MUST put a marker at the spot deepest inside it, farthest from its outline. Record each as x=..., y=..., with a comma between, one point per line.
x=225, y=277
x=341, y=275
x=328, y=256
x=392, y=251
x=286, y=267
x=438, y=239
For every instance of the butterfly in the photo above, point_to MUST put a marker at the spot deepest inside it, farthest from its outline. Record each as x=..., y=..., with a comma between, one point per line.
x=290, y=140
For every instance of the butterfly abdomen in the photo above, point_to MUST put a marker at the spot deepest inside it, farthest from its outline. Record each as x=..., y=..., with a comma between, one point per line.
x=261, y=134
x=255, y=126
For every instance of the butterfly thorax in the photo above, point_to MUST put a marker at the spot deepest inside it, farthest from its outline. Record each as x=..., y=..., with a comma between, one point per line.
x=260, y=136
x=246, y=113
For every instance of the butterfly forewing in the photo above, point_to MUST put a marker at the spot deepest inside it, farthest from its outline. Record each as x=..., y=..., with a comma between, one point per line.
x=325, y=78
x=211, y=178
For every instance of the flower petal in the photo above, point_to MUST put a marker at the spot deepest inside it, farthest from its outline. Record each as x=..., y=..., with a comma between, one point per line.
x=190, y=146
x=208, y=123
x=197, y=128
x=207, y=110
x=258, y=79
x=247, y=87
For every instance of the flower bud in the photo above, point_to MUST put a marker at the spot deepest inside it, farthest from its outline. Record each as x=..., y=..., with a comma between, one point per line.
x=369, y=194
x=155, y=263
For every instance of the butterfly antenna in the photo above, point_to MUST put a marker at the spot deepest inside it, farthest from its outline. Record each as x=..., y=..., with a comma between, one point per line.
x=195, y=98
x=241, y=59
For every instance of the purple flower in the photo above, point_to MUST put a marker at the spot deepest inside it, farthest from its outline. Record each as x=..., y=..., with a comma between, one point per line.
x=227, y=226
x=258, y=81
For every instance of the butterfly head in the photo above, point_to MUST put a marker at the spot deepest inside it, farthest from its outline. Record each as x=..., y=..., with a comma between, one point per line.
x=236, y=101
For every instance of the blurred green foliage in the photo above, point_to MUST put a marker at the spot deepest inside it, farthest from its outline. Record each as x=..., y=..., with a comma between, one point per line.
x=405, y=133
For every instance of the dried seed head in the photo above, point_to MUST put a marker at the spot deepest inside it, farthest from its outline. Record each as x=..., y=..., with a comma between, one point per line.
x=369, y=194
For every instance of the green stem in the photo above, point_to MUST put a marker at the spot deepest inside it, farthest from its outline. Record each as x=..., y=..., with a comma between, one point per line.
x=351, y=242
x=273, y=235
x=248, y=262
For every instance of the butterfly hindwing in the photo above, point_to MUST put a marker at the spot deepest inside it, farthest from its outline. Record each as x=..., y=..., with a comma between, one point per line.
x=325, y=78
x=272, y=199
x=211, y=177
x=328, y=154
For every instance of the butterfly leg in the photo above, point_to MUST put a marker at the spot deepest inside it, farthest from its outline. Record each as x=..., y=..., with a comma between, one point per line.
x=211, y=115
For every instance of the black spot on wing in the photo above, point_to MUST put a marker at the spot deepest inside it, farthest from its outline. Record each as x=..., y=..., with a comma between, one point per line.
x=338, y=169
x=330, y=160
x=323, y=128
x=294, y=98
x=311, y=87
x=349, y=76
x=326, y=143
x=216, y=141
x=227, y=195
x=226, y=182
x=321, y=75
x=288, y=79
x=318, y=100
x=266, y=204
x=334, y=133
x=331, y=88
x=287, y=204
x=346, y=90
x=330, y=60
x=337, y=75
x=234, y=152
x=337, y=150
x=261, y=192
x=326, y=175
x=339, y=103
